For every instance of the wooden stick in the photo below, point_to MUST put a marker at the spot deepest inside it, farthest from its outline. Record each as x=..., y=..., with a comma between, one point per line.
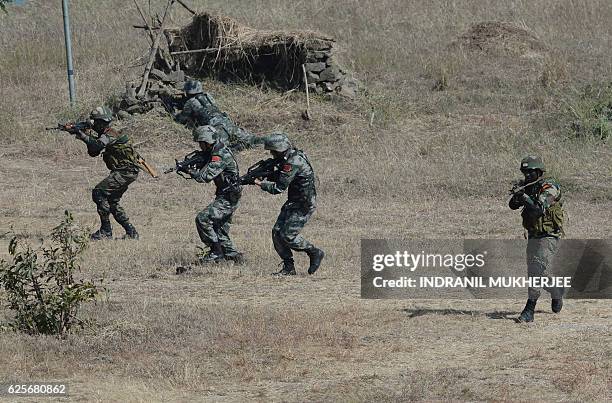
x=307, y=94
x=145, y=77
x=186, y=7
x=145, y=27
x=207, y=50
x=148, y=27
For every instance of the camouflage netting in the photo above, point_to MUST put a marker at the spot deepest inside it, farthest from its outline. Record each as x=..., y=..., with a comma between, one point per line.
x=221, y=47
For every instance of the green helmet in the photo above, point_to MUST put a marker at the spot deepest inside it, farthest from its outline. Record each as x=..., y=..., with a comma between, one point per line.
x=207, y=134
x=101, y=113
x=277, y=142
x=193, y=87
x=532, y=162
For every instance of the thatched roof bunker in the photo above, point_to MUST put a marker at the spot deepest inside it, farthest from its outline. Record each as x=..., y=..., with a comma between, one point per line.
x=223, y=48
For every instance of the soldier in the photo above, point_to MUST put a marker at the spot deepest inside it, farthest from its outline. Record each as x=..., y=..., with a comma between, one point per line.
x=199, y=108
x=123, y=162
x=230, y=133
x=542, y=215
x=296, y=175
x=213, y=223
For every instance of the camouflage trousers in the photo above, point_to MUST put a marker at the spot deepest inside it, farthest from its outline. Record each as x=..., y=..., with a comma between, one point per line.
x=540, y=256
x=107, y=195
x=286, y=231
x=213, y=224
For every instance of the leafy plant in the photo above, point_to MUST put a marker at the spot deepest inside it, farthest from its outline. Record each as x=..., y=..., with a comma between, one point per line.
x=40, y=286
x=591, y=112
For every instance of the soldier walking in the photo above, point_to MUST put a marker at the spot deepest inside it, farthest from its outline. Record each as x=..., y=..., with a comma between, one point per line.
x=122, y=161
x=542, y=214
x=213, y=223
x=297, y=176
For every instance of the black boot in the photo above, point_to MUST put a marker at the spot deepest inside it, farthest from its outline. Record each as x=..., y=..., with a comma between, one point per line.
x=237, y=258
x=215, y=254
x=105, y=231
x=130, y=232
x=316, y=255
x=556, y=304
x=288, y=269
x=528, y=312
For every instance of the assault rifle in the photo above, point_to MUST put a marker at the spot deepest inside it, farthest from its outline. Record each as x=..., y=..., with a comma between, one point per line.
x=194, y=160
x=264, y=169
x=72, y=128
x=519, y=186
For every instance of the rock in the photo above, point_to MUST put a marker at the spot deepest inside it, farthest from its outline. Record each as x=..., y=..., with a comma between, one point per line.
x=329, y=87
x=320, y=45
x=347, y=92
x=315, y=67
x=332, y=73
x=318, y=90
x=312, y=86
x=177, y=76
x=312, y=77
x=136, y=109
x=159, y=74
x=123, y=115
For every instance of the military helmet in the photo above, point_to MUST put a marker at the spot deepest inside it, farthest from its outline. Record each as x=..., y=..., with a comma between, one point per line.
x=277, y=142
x=193, y=87
x=532, y=162
x=207, y=134
x=102, y=113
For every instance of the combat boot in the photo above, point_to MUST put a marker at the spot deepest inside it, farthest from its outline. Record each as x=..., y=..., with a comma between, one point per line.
x=237, y=258
x=556, y=304
x=287, y=270
x=130, y=232
x=316, y=255
x=105, y=232
x=528, y=312
x=215, y=255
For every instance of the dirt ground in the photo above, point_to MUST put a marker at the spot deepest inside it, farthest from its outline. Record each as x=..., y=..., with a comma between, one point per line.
x=228, y=333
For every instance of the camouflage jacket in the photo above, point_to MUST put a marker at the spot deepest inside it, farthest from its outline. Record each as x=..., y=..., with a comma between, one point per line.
x=116, y=148
x=296, y=175
x=221, y=168
x=198, y=110
x=542, y=212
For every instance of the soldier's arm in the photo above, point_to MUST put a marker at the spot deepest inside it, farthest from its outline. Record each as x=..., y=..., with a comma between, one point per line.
x=286, y=175
x=184, y=115
x=211, y=170
x=94, y=145
x=516, y=202
x=549, y=195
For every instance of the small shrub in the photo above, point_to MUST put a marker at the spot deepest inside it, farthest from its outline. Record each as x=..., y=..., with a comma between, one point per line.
x=591, y=112
x=40, y=286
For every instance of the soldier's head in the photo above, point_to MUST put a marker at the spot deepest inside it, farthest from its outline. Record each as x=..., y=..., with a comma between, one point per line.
x=193, y=88
x=102, y=116
x=206, y=136
x=532, y=167
x=278, y=144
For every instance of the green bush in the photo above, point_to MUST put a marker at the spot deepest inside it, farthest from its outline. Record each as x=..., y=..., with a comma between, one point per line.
x=40, y=286
x=591, y=112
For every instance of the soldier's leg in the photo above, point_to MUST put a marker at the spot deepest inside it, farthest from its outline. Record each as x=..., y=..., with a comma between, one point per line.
x=100, y=196
x=208, y=222
x=540, y=254
x=289, y=232
x=280, y=245
x=121, y=182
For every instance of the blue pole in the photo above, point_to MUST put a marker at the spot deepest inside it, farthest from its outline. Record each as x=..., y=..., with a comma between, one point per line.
x=67, y=36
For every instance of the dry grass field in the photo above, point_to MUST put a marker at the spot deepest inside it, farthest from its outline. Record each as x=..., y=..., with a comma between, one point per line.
x=433, y=164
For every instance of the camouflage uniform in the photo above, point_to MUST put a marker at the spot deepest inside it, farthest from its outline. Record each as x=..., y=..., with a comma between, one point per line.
x=230, y=133
x=542, y=217
x=297, y=176
x=213, y=223
x=201, y=110
x=121, y=159
x=198, y=110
